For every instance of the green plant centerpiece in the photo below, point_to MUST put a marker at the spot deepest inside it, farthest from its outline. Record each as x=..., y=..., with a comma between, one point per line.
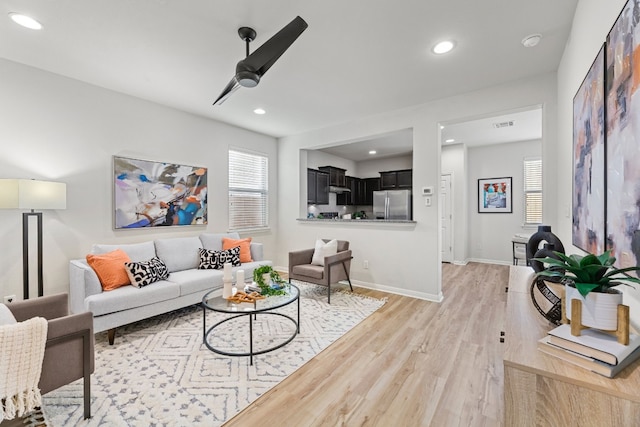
x=589, y=273
x=265, y=288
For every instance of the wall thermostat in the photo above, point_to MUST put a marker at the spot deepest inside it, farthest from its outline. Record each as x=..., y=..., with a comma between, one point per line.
x=427, y=191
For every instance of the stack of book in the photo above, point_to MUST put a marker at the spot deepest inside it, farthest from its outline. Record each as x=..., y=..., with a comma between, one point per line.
x=594, y=350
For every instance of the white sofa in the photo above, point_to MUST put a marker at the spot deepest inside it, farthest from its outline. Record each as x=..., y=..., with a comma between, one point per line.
x=186, y=284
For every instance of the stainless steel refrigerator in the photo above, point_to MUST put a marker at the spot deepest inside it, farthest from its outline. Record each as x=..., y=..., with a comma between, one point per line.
x=392, y=204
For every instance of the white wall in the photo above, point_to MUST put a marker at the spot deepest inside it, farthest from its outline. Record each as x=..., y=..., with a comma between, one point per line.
x=372, y=168
x=489, y=234
x=402, y=258
x=316, y=158
x=592, y=21
x=55, y=128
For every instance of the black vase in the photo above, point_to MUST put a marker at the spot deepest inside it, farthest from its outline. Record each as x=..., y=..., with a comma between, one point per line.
x=553, y=243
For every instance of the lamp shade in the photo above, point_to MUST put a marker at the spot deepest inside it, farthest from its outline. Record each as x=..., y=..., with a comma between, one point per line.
x=32, y=194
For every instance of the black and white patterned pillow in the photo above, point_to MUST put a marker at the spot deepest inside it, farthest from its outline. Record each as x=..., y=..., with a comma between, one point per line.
x=217, y=259
x=146, y=272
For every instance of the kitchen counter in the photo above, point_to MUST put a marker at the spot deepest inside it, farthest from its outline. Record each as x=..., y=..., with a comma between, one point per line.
x=357, y=221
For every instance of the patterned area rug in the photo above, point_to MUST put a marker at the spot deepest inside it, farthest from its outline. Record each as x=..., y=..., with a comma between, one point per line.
x=160, y=373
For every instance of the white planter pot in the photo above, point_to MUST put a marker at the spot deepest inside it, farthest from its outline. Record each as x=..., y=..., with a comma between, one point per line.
x=599, y=310
x=266, y=277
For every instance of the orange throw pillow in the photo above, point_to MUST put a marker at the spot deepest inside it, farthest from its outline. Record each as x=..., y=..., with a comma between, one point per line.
x=110, y=269
x=245, y=247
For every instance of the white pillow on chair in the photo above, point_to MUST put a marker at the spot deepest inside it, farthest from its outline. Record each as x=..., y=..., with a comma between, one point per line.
x=323, y=250
x=6, y=317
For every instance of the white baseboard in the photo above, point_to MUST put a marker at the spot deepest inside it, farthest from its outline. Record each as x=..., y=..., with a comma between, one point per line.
x=398, y=291
x=489, y=261
x=389, y=289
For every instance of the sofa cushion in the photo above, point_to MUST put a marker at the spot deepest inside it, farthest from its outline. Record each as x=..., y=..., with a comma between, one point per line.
x=110, y=268
x=137, y=251
x=146, y=272
x=308, y=270
x=179, y=253
x=213, y=241
x=129, y=297
x=323, y=250
x=191, y=281
x=243, y=244
x=217, y=259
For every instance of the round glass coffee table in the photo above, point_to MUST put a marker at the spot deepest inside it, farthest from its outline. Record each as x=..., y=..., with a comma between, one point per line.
x=262, y=307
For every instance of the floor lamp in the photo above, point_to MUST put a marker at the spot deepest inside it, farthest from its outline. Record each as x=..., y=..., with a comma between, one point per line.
x=32, y=194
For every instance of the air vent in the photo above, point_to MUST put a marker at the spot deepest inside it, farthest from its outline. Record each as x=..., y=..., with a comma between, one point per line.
x=504, y=124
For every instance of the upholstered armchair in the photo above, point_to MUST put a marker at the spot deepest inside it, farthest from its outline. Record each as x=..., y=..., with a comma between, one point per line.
x=336, y=267
x=68, y=354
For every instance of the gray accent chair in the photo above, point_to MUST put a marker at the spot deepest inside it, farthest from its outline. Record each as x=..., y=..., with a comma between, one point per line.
x=68, y=355
x=336, y=267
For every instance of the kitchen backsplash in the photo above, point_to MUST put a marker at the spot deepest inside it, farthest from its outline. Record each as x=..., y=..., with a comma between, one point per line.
x=341, y=210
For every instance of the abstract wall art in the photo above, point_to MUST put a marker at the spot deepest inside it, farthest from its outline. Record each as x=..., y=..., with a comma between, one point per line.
x=494, y=195
x=153, y=194
x=589, y=161
x=623, y=136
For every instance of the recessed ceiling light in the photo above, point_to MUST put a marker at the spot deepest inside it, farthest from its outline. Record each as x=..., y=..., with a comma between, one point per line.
x=259, y=111
x=25, y=21
x=531, y=40
x=450, y=140
x=372, y=152
x=443, y=47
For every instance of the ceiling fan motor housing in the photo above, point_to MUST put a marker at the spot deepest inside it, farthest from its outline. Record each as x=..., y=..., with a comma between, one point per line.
x=246, y=76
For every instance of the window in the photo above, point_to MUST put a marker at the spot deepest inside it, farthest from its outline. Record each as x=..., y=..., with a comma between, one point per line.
x=248, y=190
x=532, y=191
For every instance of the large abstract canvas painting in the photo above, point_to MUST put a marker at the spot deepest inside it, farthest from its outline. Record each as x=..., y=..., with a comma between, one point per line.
x=623, y=136
x=151, y=194
x=589, y=161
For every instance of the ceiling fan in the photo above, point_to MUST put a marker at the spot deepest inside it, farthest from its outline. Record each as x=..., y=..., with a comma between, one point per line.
x=252, y=68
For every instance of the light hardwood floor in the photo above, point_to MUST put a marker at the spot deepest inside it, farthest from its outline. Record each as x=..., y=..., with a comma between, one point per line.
x=412, y=363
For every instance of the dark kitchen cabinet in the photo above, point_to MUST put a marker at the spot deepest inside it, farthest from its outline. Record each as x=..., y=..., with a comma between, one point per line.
x=352, y=197
x=395, y=180
x=388, y=180
x=361, y=191
x=405, y=179
x=370, y=185
x=322, y=188
x=337, y=176
x=317, y=187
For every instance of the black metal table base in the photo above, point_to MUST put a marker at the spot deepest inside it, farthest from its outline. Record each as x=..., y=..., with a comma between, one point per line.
x=252, y=316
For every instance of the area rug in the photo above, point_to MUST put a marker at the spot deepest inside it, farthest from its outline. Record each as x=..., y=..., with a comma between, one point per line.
x=159, y=372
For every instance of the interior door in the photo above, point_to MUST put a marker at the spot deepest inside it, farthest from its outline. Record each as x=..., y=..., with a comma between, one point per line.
x=446, y=219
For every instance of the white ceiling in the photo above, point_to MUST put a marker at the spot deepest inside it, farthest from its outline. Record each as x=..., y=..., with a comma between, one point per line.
x=394, y=144
x=357, y=58
x=525, y=125
x=522, y=126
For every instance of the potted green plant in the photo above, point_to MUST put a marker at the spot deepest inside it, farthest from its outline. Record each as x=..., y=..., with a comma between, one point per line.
x=590, y=279
x=264, y=275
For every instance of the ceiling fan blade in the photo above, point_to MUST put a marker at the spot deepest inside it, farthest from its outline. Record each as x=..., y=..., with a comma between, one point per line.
x=231, y=87
x=266, y=55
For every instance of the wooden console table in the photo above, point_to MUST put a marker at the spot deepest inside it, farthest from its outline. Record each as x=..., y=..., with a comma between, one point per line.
x=541, y=390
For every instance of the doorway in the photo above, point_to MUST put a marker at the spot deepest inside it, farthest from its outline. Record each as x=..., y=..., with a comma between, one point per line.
x=493, y=145
x=446, y=218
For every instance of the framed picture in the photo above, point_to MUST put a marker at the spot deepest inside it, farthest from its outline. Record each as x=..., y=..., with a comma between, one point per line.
x=154, y=194
x=494, y=195
x=623, y=150
x=588, y=223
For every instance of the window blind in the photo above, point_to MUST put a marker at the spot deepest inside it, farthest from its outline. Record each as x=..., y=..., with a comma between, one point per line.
x=533, y=191
x=248, y=190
